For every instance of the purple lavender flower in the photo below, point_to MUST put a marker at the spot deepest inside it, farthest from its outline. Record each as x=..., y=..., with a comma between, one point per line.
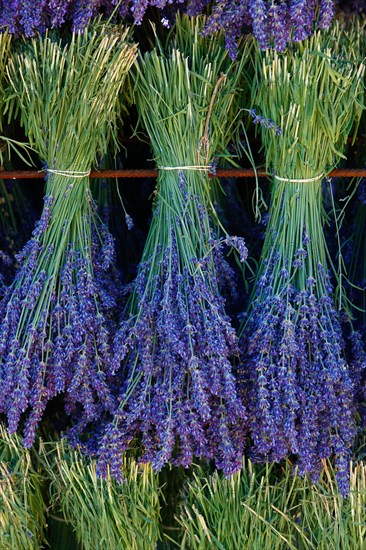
x=9, y=15
x=280, y=29
x=298, y=390
x=326, y=13
x=300, y=20
x=271, y=22
x=57, y=12
x=239, y=244
x=258, y=13
x=32, y=17
x=129, y=222
x=66, y=347
x=265, y=122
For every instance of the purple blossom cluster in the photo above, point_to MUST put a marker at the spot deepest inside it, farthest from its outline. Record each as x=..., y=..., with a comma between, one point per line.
x=265, y=122
x=173, y=353
x=297, y=387
x=56, y=325
x=273, y=22
x=29, y=18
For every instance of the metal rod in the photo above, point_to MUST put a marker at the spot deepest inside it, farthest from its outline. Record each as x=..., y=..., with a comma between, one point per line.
x=151, y=173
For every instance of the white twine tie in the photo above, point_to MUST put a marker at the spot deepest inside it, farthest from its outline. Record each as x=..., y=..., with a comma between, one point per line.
x=305, y=180
x=198, y=168
x=69, y=173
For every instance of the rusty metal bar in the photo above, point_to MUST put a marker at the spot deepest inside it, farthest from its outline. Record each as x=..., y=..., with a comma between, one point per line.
x=151, y=173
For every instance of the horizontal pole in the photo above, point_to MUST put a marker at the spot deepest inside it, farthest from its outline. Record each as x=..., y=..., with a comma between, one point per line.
x=151, y=173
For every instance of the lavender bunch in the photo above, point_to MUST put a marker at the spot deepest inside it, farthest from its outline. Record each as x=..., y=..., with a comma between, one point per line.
x=174, y=346
x=273, y=22
x=56, y=317
x=294, y=378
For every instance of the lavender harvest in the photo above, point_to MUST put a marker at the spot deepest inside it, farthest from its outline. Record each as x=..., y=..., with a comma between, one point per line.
x=174, y=347
x=56, y=316
x=294, y=379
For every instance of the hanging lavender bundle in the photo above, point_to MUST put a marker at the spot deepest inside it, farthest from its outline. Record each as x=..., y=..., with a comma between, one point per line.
x=174, y=346
x=295, y=380
x=56, y=316
x=29, y=18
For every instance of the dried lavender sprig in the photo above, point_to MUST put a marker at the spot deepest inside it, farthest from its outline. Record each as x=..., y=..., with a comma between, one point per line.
x=173, y=349
x=56, y=316
x=297, y=385
x=110, y=202
x=265, y=122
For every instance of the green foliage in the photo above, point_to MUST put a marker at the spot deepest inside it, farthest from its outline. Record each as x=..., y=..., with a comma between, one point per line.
x=22, y=507
x=5, y=40
x=69, y=89
x=103, y=514
x=269, y=508
x=236, y=512
x=314, y=92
